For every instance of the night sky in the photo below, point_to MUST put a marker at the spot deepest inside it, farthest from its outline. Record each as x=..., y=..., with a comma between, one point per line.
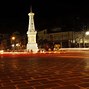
x=49, y=14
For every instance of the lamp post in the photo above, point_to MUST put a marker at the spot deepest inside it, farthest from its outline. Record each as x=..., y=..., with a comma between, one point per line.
x=86, y=33
x=87, y=38
x=13, y=42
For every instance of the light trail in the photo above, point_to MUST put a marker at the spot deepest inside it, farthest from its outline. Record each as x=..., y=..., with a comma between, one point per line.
x=46, y=54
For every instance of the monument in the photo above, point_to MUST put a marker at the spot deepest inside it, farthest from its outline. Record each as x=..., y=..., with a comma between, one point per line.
x=31, y=34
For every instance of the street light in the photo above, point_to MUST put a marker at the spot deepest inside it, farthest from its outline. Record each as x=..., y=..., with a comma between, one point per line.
x=13, y=42
x=13, y=38
x=87, y=33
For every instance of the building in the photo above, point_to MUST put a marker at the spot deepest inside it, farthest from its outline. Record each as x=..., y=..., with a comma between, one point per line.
x=67, y=39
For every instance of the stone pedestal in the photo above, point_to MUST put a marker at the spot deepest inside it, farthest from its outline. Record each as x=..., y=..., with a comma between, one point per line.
x=32, y=45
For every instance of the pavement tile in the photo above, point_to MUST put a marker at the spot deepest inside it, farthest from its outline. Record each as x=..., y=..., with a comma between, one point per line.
x=70, y=87
x=9, y=87
x=23, y=86
x=85, y=85
x=50, y=85
x=7, y=84
x=84, y=80
x=40, y=81
x=26, y=87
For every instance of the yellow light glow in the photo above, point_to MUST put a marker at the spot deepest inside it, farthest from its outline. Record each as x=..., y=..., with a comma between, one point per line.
x=87, y=33
x=12, y=45
x=1, y=51
x=17, y=44
x=13, y=38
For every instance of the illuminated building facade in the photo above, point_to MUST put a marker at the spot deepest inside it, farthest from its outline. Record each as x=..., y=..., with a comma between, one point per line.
x=67, y=39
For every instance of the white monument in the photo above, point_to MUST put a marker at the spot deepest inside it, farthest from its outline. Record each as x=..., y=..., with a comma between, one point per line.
x=31, y=34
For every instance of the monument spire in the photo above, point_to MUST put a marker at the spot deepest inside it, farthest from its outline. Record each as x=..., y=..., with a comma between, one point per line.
x=31, y=8
x=31, y=33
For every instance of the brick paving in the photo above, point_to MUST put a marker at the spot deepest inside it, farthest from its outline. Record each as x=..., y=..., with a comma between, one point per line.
x=44, y=72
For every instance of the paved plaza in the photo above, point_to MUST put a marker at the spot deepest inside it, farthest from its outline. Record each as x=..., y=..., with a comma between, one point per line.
x=44, y=72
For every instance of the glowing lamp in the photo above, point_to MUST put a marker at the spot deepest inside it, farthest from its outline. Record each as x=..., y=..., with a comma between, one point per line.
x=87, y=33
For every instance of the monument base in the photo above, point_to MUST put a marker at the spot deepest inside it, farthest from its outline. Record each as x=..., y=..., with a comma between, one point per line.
x=32, y=47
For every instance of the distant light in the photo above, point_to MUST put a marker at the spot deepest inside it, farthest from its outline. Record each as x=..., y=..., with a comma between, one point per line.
x=1, y=51
x=13, y=38
x=87, y=33
x=17, y=44
x=12, y=45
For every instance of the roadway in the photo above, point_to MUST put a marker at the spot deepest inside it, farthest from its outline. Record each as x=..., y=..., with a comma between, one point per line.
x=63, y=70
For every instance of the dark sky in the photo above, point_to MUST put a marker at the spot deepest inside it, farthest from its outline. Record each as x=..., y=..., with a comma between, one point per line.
x=48, y=14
